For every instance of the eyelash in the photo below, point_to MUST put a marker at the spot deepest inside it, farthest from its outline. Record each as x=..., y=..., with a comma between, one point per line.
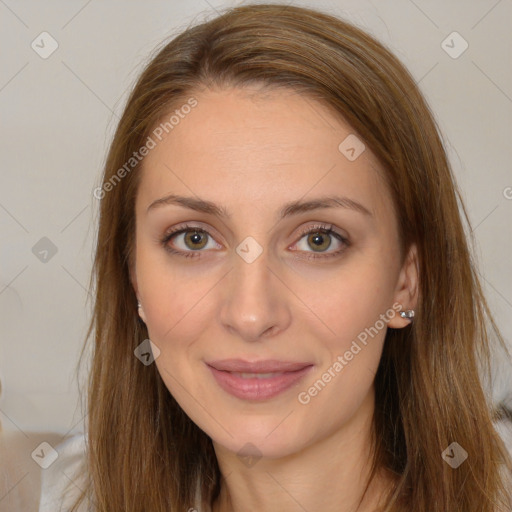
x=320, y=228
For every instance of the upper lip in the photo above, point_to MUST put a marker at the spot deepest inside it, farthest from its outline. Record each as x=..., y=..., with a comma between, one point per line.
x=265, y=366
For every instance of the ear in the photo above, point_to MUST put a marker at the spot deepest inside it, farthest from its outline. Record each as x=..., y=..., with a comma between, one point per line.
x=133, y=280
x=406, y=293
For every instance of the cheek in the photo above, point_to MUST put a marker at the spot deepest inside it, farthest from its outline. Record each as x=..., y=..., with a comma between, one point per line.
x=177, y=300
x=356, y=310
x=349, y=299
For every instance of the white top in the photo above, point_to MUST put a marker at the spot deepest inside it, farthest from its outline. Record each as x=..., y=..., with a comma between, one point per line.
x=72, y=451
x=55, y=478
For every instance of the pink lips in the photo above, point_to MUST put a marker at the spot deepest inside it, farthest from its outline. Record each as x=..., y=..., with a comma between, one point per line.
x=259, y=380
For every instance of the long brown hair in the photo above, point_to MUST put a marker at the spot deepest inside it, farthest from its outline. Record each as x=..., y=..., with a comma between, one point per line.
x=144, y=453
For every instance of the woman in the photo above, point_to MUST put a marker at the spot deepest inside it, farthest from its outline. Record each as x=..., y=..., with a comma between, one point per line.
x=279, y=218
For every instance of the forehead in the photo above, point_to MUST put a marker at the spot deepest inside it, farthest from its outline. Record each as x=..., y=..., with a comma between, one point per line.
x=241, y=146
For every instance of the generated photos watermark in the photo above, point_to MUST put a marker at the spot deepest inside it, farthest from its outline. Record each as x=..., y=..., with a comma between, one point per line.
x=304, y=397
x=152, y=141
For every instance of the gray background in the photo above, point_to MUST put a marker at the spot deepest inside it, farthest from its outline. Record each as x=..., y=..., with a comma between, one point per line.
x=58, y=115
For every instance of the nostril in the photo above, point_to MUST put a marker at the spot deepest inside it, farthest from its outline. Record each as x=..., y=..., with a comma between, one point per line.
x=269, y=331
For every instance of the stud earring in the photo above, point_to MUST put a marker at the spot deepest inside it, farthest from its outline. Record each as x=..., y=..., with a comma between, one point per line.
x=408, y=313
x=139, y=305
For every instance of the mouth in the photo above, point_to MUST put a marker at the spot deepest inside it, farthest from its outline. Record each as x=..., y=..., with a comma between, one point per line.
x=257, y=381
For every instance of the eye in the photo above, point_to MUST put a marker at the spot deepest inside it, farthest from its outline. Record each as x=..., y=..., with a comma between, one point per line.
x=321, y=238
x=191, y=238
x=194, y=238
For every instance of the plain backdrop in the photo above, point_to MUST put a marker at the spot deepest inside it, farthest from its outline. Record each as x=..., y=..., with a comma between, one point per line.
x=58, y=113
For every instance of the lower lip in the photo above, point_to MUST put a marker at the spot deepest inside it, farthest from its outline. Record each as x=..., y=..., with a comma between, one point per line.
x=257, y=389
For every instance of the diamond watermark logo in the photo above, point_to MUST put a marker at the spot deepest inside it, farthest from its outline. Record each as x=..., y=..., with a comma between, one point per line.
x=44, y=250
x=146, y=352
x=454, y=45
x=249, y=249
x=454, y=455
x=351, y=147
x=44, y=45
x=249, y=454
x=44, y=455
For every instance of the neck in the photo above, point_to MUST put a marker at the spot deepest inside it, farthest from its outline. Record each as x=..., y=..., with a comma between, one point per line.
x=329, y=474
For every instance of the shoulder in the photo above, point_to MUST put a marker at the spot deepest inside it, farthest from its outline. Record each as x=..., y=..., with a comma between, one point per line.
x=61, y=483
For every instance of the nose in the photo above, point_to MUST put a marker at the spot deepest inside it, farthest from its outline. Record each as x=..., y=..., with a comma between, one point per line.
x=255, y=301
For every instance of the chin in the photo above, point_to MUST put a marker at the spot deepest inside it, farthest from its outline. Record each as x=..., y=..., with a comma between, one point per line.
x=258, y=438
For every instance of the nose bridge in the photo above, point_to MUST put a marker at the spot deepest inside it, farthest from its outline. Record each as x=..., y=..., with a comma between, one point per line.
x=255, y=302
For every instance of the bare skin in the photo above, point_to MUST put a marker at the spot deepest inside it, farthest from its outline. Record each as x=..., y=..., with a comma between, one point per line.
x=250, y=152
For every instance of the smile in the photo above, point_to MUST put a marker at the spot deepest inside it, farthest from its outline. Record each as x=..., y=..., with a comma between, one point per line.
x=260, y=383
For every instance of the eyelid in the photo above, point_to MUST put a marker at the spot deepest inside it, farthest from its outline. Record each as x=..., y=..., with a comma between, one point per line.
x=192, y=226
x=322, y=228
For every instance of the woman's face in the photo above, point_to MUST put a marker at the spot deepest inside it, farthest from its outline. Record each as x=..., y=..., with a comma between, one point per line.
x=268, y=335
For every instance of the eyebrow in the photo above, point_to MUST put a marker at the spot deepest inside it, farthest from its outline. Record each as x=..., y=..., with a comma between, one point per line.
x=288, y=210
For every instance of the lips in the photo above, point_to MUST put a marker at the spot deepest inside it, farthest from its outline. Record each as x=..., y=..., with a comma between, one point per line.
x=267, y=366
x=259, y=380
